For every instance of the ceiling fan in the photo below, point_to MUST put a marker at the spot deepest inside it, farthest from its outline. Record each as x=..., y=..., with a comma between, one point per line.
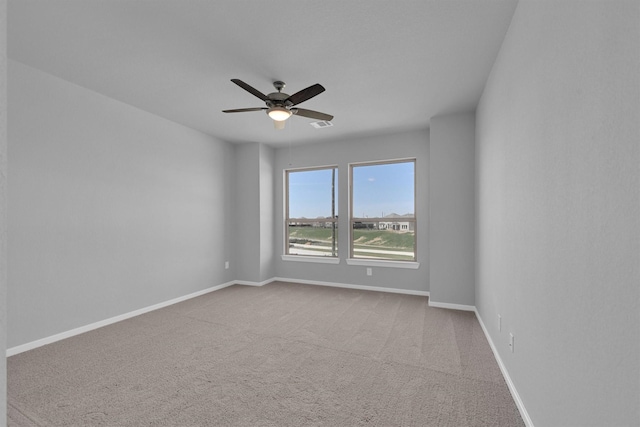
x=281, y=106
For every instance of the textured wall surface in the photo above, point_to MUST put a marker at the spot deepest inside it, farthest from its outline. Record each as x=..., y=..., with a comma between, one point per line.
x=380, y=147
x=452, y=209
x=112, y=209
x=3, y=211
x=253, y=229
x=267, y=211
x=558, y=221
x=246, y=222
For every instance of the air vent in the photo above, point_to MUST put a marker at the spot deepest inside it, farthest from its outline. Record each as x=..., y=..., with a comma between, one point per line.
x=321, y=124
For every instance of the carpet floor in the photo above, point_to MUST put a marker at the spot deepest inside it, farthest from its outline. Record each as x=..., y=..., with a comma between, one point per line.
x=284, y=354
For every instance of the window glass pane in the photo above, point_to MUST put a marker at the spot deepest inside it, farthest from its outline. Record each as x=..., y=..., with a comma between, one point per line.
x=383, y=220
x=310, y=193
x=317, y=239
x=311, y=225
x=383, y=190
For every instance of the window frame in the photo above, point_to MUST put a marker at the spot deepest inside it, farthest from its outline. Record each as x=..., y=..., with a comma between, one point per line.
x=383, y=262
x=329, y=259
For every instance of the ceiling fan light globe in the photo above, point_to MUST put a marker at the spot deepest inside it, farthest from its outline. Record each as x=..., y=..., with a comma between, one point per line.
x=279, y=114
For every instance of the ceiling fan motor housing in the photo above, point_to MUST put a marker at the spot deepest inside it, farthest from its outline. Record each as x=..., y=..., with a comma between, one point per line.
x=278, y=99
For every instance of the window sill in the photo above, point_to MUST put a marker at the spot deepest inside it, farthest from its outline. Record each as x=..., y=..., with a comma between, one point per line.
x=383, y=263
x=318, y=260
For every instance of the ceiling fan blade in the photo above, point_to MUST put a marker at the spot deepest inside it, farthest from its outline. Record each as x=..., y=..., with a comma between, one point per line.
x=305, y=94
x=312, y=114
x=250, y=89
x=244, y=110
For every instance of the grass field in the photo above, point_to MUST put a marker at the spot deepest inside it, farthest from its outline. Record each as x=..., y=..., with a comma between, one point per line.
x=384, y=238
x=369, y=243
x=311, y=233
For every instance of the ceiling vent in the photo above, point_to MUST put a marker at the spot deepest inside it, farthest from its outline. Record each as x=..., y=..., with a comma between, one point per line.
x=321, y=124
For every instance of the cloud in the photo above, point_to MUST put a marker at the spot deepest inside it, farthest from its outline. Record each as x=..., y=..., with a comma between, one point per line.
x=371, y=179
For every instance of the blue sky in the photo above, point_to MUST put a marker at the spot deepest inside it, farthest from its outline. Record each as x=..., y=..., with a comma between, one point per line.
x=310, y=194
x=378, y=190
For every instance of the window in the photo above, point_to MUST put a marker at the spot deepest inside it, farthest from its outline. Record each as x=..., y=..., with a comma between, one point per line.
x=311, y=219
x=383, y=219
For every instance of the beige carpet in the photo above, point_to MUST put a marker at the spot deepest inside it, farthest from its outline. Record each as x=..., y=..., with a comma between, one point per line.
x=279, y=355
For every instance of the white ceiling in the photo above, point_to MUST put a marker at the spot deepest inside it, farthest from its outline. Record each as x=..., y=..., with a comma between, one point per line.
x=386, y=65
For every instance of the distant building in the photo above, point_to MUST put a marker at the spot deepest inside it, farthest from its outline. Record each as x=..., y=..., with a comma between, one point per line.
x=395, y=222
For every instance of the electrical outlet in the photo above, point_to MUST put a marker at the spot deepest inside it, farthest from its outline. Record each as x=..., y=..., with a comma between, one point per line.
x=499, y=323
x=226, y=265
x=511, y=341
x=369, y=271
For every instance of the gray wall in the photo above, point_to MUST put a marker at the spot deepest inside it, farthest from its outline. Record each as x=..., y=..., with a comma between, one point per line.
x=247, y=212
x=558, y=210
x=341, y=153
x=112, y=209
x=267, y=211
x=452, y=209
x=253, y=229
x=3, y=214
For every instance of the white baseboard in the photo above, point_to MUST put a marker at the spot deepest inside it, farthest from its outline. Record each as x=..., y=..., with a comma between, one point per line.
x=77, y=331
x=349, y=286
x=451, y=306
x=57, y=337
x=82, y=329
x=249, y=283
x=512, y=388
